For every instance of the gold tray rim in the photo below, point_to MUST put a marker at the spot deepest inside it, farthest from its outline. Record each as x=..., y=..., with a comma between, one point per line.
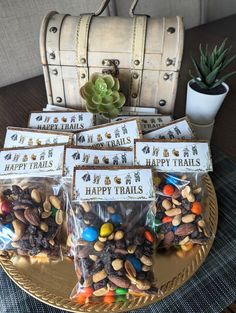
x=165, y=290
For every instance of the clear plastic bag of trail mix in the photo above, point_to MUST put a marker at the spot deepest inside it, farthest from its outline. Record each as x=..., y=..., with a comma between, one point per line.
x=180, y=217
x=113, y=246
x=31, y=215
x=114, y=251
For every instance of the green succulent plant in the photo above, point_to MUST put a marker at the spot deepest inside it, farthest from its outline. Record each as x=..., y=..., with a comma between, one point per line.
x=210, y=65
x=102, y=95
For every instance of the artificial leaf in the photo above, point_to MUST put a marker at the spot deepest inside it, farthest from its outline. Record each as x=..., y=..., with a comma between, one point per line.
x=89, y=89
x=100, y=86
x=198, y=70
x=120, y=102
x=211, y=77
x=97, y=99
x=222, y=46
x=223, y=79
x=117, y=84
x=109, y=80
x=227, y=62
x=220, y=59
x=107, y=99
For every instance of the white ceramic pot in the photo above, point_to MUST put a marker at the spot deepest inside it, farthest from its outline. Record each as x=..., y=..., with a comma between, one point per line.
x=202, y=108
x=203, y=132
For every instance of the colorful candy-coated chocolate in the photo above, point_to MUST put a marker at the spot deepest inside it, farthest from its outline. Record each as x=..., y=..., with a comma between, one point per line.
x=167, y=219
x=135, y=262
x=116, y=219
x=109, y=299
x=54, y=211
x=148, y=235
x=90, y=233
x=121, y=291
x=5, y=207
x=171, y=180
x=87, y=291
x=168, y=190
x=196, y=208
x=158, y=224
x=80, y=298
x=106, y=229
x=120, y=298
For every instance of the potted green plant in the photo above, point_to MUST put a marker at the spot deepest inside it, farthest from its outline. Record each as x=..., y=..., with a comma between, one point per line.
x=207, y=88
x=102, y=95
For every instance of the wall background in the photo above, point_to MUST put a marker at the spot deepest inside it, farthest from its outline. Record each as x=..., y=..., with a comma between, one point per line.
x=20, y=24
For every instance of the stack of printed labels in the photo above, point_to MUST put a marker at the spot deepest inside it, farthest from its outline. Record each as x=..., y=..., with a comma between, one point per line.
x=138, y=136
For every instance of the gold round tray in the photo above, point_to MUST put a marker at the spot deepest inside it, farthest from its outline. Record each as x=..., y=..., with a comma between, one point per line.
x=52, y=282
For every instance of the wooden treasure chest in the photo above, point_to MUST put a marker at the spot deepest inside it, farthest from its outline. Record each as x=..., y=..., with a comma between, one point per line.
x=144, y=53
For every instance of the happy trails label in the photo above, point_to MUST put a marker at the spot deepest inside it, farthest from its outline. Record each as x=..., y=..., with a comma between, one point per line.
x=117, y=184
x=178, y=129
x=173, y=156
x=25, y=137
x=110, y=135
x=61, y=121
x=148, y=122
x=43, y=161
x=80, y=156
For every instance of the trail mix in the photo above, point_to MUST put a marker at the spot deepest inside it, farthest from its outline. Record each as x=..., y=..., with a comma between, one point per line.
x=34, y=217
x=114, y=252
x=179, y=214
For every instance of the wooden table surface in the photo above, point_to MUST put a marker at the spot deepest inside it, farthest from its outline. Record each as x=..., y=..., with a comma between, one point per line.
x=17, y=100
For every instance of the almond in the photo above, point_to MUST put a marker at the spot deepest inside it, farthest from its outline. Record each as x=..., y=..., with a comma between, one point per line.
x=121, y=282
x=185, y=230
x=32, y=216
x=19, y=214
x=168, y=239
x=130, y=269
